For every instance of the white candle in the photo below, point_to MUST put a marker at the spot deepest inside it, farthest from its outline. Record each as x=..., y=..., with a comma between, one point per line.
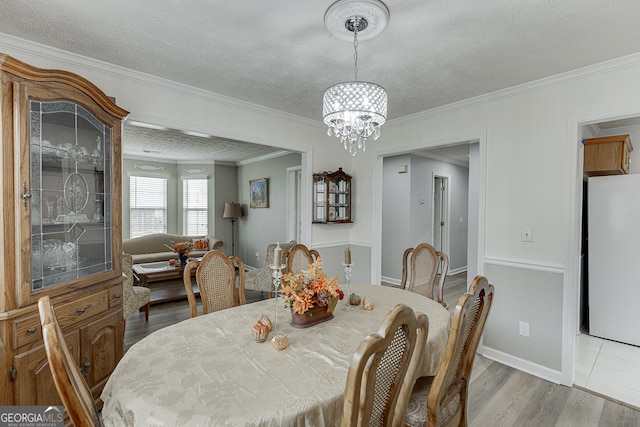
x=347, y=255
x=277, y=255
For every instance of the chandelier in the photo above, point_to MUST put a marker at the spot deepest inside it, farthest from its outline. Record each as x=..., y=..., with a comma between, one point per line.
x=355, y=110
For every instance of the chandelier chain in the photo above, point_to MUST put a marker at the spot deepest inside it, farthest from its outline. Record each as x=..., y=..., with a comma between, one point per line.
x=356, y=25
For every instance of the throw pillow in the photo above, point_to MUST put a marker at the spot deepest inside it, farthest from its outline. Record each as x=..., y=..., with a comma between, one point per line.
x=201, y=244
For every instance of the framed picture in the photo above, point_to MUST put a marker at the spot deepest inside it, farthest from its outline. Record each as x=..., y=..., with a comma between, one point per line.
x=259, y=193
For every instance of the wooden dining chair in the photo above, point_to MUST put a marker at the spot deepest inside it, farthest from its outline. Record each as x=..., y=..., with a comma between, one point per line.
x=383, y=370
x=72, y=388
x=216, y=276
x=420, y=266
x=442, y=400
x=299, y=257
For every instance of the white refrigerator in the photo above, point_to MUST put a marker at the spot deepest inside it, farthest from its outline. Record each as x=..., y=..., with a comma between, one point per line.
x=614, y=257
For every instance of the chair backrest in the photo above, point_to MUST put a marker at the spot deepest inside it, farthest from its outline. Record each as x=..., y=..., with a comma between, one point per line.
x=447, y=401
x=444, y=269
x=299, y=257
x=420, y=266
x=216, y=279
x=383, y=370
x=72, y=388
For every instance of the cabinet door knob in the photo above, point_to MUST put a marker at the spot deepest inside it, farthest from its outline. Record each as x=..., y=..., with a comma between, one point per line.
x=31, y=330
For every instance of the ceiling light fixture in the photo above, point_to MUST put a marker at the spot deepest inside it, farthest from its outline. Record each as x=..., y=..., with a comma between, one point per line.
x=355, y=110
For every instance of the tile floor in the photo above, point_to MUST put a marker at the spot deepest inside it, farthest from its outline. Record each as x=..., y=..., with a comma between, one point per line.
x=608, y=368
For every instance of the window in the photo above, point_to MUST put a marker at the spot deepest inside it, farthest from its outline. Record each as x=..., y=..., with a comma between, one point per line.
x=148, y=208
x=195, y=207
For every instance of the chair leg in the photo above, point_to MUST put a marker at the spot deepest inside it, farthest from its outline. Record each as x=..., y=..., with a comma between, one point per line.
x=124, y=325
x=146, y=312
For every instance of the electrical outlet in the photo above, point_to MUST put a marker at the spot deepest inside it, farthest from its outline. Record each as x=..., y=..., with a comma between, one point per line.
x=524, y=329
x=257, y=255
x=526, y=234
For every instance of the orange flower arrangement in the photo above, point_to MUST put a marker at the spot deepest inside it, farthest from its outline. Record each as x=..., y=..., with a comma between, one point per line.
x=310, y=288
x=181, y=248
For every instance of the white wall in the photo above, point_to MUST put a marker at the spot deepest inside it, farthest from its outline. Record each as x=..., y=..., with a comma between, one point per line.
x=262, y=226
x=530, y=176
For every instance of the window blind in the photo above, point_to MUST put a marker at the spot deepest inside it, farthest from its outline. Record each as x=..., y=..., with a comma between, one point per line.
x=148, y=205
x=195, y=206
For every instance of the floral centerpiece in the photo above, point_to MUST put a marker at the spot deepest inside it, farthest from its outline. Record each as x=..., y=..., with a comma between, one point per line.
x=309, y=289
x=183, y=249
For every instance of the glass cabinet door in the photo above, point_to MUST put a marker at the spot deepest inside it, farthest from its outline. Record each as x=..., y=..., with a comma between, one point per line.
x=70, y=180
x=319, y=192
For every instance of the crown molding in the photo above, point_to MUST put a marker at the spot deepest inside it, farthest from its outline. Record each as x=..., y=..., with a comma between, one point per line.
x=624, y=62
x=71, y=60
x=265, y=157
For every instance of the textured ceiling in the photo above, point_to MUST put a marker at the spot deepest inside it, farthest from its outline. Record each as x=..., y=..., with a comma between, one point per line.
x=279, y=54
x=175, y=145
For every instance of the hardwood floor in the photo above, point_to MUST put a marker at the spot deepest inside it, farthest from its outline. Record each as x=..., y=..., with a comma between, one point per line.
x=498, y=394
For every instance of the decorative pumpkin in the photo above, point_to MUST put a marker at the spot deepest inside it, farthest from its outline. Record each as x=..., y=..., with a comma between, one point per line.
x=266, y=321
x=367, y=303
x=260, y=332
x=279, y=342
x=354, y=299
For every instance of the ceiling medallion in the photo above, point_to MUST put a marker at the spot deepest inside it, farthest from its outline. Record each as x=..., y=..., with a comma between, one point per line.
x=355, y=110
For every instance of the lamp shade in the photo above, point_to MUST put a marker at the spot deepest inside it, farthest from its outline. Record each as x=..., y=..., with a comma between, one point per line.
x=232, y=210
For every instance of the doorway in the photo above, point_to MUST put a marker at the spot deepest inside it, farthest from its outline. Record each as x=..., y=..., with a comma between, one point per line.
x=441, y=213
x=405, y=206
x=294, y=217
x=602, y=366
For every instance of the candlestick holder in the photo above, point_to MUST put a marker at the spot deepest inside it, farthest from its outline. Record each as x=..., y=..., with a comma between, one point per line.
x=276, y=273
x=347, y=276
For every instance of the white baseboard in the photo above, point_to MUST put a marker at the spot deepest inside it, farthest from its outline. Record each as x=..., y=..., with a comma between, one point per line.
x=456, y=271
x=391, y=280
x=522, y=365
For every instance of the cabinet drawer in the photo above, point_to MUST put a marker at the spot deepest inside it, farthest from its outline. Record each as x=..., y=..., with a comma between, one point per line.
x=115, y=296
x=28, y=330
x=83, y=308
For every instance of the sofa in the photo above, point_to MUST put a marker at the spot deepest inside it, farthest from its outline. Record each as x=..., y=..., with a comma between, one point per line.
x=151, y=248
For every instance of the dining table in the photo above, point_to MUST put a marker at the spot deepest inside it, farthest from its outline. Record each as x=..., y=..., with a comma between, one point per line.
x=210, y=371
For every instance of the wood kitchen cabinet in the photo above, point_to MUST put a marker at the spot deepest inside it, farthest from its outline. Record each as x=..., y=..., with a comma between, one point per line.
x=608, y=155
x=61, y=231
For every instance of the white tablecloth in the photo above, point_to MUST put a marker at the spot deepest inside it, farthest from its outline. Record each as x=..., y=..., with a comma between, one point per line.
x=209, y=371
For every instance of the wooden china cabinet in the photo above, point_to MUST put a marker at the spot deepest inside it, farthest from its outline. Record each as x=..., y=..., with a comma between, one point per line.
x=332, y=197
x=61, y=234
